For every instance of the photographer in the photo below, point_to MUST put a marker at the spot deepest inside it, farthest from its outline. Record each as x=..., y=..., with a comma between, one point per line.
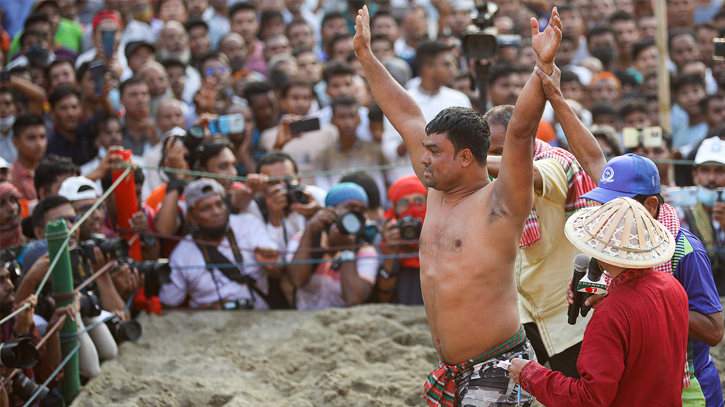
x=344, y=277
x=399, y=279
x=197, y=276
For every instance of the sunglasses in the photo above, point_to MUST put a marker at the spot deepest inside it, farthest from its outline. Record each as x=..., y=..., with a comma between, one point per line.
x=69, y=219
x=212, y=71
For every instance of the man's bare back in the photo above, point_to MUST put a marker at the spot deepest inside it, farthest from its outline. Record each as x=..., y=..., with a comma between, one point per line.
x=472, y=227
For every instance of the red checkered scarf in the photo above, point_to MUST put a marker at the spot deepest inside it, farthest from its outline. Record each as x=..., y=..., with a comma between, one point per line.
x=578, y=182
x=11, y=234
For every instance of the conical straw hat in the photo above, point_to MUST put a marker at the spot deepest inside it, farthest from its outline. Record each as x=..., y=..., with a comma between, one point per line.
x=621, y=233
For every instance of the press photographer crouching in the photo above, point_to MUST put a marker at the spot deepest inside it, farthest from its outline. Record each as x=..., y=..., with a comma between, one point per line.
x=217, y=266
x=37, y=365
x=399, y=279
x=346, y=273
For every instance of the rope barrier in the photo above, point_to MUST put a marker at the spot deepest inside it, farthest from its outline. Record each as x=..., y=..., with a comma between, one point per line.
x=64, y=245
x=94, y=276
x=293, y=262
x=52, y=376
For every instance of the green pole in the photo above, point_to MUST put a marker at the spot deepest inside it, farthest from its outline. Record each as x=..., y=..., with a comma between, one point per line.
x=56, y=233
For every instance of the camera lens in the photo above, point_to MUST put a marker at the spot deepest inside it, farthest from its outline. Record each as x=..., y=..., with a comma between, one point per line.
x=18, y=353
x=89, y=306
x=117, y=248
x=350, y=223
x=157, y=273
x=124, y=331
x=24, y=388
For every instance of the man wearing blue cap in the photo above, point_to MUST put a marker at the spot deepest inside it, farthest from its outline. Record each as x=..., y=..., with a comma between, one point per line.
x=637, y=177
x=345, y=277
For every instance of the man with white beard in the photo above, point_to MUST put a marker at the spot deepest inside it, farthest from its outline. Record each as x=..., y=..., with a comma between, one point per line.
x=173, y=43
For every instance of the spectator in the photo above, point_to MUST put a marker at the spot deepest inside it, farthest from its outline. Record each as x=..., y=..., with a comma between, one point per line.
x=8, y=113
x=350, y=151
x=199, y=39
x=413, y=33
x=243, y=21
x=235, y=286
x=108, y=138
x=11, y=231
x=634, y=113
x=295, y=11
x=61, y=72
x=271, y=23
x=242, y=141
x=690, y=128
x=139, y=134
x=644, y=59
x=374, y=213
x=567, y=51
x=505, y=86
x=107, y=20
x=29, y=140
x=340, y=47
x=321, y=285
x=177, y=77
x=713, y=109
x=71, y=137
x=91, y=103
x=605, y=114
x=265, y=108
x=605, y=87
x=602, y=44
x=680, y=13
x=171, y=10
x=608, y=141
x=173, y=43
x=624, y=25
x=50, y=174
x=276, y=45
x=138, y=54
x=232, y=45
x=660, y=153
x=340, y=80
x=682, y=47
x=155, y=76
x=300, y=34
x=333, y=23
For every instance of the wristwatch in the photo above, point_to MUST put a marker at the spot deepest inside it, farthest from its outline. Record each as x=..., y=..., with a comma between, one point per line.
x=347, y=255
x=389, y=274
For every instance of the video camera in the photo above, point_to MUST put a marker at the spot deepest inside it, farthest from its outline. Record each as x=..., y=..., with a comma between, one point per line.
x=480, y=40
x=410, y=227
x=124, y=331
x=586, y=282
x=156, y=272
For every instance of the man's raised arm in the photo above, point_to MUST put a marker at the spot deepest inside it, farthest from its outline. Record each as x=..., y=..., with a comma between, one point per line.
x=581, y=141
x=514, y=185
x=402, y=111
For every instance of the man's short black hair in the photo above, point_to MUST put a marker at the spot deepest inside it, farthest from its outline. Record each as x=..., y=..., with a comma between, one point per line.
x=25, y=121
x=333, y=15
x=622, y=16
x=465, y=128
x=31, y=33
x=642, y=198
x=60, y=93
x=194, y=22
x=274, y=157
x=35, y=18
x=632, y=106
x=134, y=80
x=427, y=52
x=296, y=83
x=568, y=7
x=381, y=37
x=601, y=108
x=45, y=205
x=337, y=38
x=375, y=113
x=368, y=184
x=676, y=32
x=295, y=23
x=334, y=68
x=209, y=149
x=599, y=30
x=568, y=76
x=302, y=50
x=170, y=62
x=705, y=102
x=241, y=6
x=499, y=115
x=57, y=62
x=81, y=71
x=344, y=101
x=253, y=89
x=380, y=14
x=687, y=79
x=50, y=169
x=268, y=15
x=564, y=37
x=639, y=46
x=500, y=71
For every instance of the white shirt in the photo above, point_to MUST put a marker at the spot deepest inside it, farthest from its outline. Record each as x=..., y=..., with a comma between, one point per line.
x=291, y=224
x=430, y=105
x=190, y=277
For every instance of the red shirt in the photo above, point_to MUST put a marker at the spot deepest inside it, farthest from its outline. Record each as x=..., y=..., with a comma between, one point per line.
x=634, y=349
x=23, y=179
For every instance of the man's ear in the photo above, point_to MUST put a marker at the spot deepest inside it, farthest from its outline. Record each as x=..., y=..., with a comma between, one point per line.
x=38, y=232
x=466, y=157
x=652, y=204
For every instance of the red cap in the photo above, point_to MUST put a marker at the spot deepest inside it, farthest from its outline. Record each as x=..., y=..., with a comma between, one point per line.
x=104, y=15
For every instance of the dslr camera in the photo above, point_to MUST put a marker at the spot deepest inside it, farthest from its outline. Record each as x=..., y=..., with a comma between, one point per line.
x=24, y=388
x=124, y=331
x=18, y=354
x=410, y=227
x=350, y=223
x=296, y=193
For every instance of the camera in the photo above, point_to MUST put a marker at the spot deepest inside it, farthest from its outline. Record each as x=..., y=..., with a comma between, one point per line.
x=296, y=193
x=24, y=388
x=718, y=49
x=9, y=256
x=156, y=272
x=18, y=353
x=90, y=306
x=350, y=223
x=124, y=331
x=636, y=137
x=117, y=248
x=242, y=303
x=481, y=41
x=410, y=227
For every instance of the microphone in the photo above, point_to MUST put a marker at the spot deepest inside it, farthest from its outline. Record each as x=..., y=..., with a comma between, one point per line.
x=591, y=284
x=581, y=264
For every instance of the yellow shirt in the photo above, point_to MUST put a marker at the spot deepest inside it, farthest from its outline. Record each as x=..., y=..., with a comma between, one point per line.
x=544, y=269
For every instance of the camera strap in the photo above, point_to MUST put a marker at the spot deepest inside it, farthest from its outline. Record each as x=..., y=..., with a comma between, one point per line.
x=229, y=269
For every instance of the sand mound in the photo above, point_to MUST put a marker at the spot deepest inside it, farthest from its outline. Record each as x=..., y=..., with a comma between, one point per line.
x=373, y=355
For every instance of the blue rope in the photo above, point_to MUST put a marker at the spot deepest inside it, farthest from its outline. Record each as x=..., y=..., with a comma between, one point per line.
x=52, y=376
x=287, y=263
x=70, y=337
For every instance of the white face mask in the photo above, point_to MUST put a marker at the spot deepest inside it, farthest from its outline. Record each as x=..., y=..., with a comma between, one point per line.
x=6, y=124
x=707, y=196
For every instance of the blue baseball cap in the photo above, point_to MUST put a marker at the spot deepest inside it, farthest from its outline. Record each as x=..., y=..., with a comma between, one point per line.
x=626, y=176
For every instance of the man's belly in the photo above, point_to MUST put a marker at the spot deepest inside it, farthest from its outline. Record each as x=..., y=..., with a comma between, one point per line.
x=469, y=312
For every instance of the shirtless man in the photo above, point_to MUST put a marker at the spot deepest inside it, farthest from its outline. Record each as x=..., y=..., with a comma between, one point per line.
x=473, y=226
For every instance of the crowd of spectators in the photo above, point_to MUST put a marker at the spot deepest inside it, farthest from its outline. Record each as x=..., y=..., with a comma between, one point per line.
x=171, y=81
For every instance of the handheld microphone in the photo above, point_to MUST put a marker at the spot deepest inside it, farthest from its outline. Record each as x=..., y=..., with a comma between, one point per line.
x=591, y=284
x=581, y=263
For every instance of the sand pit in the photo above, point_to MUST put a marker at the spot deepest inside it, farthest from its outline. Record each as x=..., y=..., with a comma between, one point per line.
x=373, y=355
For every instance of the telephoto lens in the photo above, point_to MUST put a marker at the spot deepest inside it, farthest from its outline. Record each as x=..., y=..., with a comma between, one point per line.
x=124, y=331
x=24, y=388
x=409, y=227
x=117, y=248
x=157, y=274
x=89, y=306
x=18, y=353
x=351, y=223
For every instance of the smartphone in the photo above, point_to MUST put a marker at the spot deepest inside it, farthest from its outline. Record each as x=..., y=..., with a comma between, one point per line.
x=108, y=40
x=718, y=50
x=685, y=196
x=635, y=137
x=229, y=124
x=305, y=125
x=98, y=76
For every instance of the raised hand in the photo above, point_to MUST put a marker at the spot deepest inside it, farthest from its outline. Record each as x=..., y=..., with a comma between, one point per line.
x=546, y=43
x=361, y=41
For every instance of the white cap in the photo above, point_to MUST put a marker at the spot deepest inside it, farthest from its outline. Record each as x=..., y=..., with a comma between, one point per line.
x=711, y=150
x=4, y=164
x=458, y=5
x=77, y=188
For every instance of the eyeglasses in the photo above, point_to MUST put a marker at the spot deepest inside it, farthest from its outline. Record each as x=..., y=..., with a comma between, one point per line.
x=212, y=71
x=71, y=220
x=84, y=209
x=404, y=204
